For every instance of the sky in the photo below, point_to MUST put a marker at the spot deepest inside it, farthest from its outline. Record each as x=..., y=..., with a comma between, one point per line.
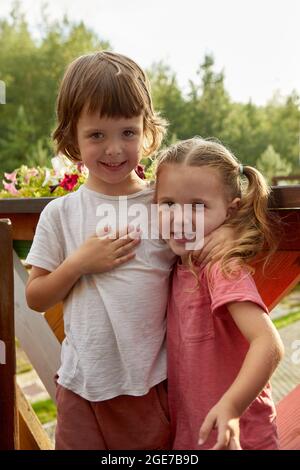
x=255, y=42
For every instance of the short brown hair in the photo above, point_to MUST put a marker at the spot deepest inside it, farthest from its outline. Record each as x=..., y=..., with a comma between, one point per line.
x=109, y=83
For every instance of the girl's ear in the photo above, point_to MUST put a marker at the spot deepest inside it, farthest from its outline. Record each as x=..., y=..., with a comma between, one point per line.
x=233, y=207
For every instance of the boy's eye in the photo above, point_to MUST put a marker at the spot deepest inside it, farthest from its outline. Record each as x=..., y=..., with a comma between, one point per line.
x=128, y=133
x=97, y=135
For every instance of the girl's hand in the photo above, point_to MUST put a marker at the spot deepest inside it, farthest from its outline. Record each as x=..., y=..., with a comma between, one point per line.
x=101, y=254
x=216, y=244
x=225, y=419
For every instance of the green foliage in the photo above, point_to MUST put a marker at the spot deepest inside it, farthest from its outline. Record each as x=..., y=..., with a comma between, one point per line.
x=168, y=99
x=45, y=410
x=207, y=110
x=286, y=320
x=32, y=69
x=271, y=164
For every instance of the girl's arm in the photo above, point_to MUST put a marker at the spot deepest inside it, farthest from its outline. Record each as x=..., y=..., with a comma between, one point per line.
x=96, y=255
x=265, y=352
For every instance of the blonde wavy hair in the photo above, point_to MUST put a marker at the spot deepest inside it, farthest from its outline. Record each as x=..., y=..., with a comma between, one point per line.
x=257, y=228
x=111, y=84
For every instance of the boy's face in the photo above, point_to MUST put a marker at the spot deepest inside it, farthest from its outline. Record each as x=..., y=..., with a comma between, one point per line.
x=178, y=185
x=111, y=149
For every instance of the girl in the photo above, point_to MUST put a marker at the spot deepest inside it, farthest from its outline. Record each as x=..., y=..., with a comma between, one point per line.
x=222, y=346
x=111, y=386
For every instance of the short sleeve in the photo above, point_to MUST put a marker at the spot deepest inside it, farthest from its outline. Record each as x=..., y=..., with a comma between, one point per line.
x=47, y=250
x=240, y=287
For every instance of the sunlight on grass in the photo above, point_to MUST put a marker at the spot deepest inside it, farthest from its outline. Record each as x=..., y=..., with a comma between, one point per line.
x=287, y=320
x=45, y=410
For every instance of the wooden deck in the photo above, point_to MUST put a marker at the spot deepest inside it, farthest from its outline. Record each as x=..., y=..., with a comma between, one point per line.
x=40, y=335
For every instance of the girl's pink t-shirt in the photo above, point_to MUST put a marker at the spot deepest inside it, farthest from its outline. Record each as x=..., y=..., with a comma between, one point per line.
x=205, y=353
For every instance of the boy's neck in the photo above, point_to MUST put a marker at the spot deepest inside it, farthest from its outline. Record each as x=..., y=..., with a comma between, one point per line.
x=129, y=186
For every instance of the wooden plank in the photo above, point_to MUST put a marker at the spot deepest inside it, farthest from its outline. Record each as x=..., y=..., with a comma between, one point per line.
x=35, y=335
x=278, y=278
x=32, y=434
x=284, y=197
x=54, y=317
x=287, y=196
x=24, y=205
x=276, y=179
x=8, y=414
x=288, y=421
x=290, y=226
x=23, y=225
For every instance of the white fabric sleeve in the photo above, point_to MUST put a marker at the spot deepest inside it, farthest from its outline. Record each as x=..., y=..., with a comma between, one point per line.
x=47, y=250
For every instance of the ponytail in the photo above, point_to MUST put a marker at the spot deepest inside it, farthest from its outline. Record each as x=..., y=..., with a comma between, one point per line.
x=258, y=228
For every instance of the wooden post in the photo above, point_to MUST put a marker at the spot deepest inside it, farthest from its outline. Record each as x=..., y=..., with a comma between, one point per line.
x=8, y=411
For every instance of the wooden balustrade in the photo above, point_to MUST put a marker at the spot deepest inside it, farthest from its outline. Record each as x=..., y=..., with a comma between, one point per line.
x=40, y=335
x=8, y=415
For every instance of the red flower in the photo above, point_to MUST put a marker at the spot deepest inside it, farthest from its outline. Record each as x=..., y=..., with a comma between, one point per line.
x=69, y=182
x=140, y=171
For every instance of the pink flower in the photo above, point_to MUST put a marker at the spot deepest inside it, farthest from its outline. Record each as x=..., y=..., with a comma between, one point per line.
x=11, y=176
x=82, y=168
x=69, y=182
x=30, y=173
x=10, y=187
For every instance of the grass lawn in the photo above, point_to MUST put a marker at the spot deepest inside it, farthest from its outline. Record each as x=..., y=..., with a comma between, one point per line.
x=45, y=410
x=286, y=320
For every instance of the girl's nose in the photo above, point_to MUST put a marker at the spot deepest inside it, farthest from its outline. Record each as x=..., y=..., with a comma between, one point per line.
x=182, y=216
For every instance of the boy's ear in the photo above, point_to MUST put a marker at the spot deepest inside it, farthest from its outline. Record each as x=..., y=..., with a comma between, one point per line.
x=233, y=206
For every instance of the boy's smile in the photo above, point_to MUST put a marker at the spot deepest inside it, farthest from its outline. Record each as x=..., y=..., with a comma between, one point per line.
x=111, y=149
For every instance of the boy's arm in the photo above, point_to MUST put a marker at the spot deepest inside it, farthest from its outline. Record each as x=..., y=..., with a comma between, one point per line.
x=265, y=352
x=96, y=255
x=45, y=289
x=216, y=244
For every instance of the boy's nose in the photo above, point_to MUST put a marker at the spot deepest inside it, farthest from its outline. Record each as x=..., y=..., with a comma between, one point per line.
x=113, y=148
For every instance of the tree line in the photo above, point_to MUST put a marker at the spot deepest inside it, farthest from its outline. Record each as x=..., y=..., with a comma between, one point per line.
x=31, y=68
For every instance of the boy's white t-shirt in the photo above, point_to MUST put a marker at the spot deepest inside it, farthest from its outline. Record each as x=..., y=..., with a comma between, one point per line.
x=115, y=322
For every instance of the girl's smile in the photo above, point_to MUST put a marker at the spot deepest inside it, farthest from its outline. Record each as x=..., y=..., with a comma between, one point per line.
x=179, y=185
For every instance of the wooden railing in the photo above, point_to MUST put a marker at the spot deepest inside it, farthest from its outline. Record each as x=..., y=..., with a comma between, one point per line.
x=40, y=335
x=277, y=179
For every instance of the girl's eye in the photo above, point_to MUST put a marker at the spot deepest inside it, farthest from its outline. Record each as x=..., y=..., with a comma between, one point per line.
x=197, y=205
x=167, y=203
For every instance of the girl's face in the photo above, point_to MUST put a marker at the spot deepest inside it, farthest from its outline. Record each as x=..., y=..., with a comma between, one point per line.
x=178, y=184
x=111, y=149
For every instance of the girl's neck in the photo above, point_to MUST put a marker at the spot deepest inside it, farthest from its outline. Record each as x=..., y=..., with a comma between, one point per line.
x=184, y=260
x=131, y=185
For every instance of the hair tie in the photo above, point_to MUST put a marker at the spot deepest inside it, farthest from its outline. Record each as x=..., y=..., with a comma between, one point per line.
x=241, y=169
